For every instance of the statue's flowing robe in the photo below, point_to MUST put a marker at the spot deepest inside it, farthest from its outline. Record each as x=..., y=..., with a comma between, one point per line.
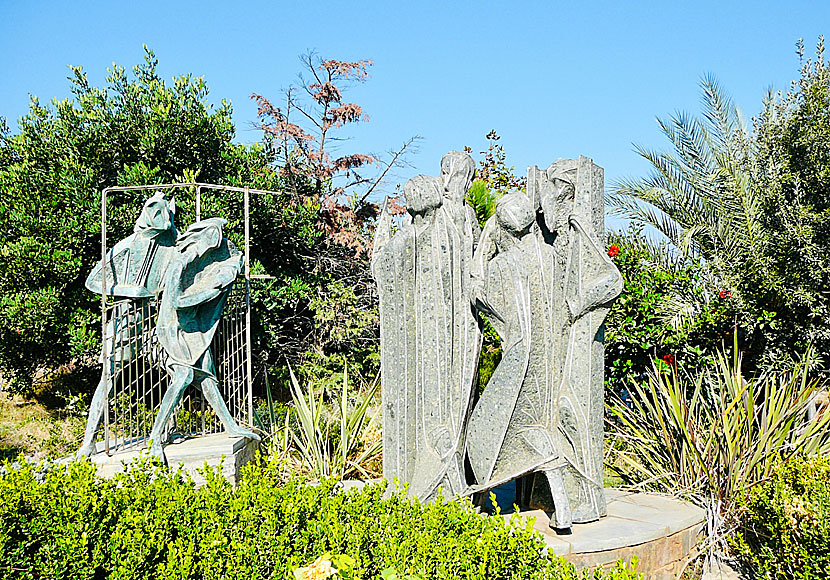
x=186, y=333
x=535, y=411
x=514, y=426
x=430, y=340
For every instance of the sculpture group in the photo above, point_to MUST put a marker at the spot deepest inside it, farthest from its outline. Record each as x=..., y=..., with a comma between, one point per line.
x=538, y=272
x=191, y=276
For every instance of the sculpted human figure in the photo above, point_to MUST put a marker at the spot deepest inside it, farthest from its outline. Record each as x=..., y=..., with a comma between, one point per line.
x=538, y=272
x=513, y=429
x=135, y=269
x=591, y=282
x=196, y=286
x=543, y=280
x=430, y=340
x=457, y=172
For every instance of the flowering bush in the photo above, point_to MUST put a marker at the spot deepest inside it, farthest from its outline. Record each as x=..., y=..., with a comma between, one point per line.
x=668, y=312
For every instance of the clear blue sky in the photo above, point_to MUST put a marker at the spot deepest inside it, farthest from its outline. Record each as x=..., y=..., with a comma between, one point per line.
x=555, y=79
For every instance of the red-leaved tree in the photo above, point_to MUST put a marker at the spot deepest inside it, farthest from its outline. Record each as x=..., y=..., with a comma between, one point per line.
x=304, y=133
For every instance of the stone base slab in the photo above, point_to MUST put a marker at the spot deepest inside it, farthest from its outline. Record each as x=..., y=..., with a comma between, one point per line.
x=191, y=454
x=660, y=531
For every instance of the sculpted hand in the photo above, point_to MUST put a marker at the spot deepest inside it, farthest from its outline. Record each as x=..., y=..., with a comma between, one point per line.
x=573, y=310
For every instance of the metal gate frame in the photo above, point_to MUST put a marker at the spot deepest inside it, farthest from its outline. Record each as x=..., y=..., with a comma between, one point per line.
x=199, y=189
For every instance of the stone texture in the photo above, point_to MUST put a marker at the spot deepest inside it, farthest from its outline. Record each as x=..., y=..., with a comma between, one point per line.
x=539, y=273
x=191, y=455
x=720, y=571
x=660, y=531
x=430, y=335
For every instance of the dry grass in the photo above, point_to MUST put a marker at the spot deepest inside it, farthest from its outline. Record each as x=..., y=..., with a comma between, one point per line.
x=29, y=428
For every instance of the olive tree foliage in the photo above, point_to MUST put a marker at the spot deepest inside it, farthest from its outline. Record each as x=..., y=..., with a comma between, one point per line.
x=750, y=205
x=137, y=129
x=792, y=172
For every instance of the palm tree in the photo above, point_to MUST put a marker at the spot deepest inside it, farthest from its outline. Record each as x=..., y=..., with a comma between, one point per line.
x=699, y=196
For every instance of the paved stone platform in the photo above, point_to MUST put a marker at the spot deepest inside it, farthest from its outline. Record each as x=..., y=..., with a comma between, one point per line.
x=192, y=454
x=660, y=531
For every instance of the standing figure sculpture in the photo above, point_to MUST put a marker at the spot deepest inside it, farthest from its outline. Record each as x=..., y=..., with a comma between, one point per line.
x=513, y=429
x=135, y=271
x=539, y=273
x=548, y=280
x=430, y=336
x=196, y=287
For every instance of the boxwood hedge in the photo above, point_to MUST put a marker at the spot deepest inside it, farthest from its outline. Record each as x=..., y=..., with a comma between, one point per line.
x=152, y=522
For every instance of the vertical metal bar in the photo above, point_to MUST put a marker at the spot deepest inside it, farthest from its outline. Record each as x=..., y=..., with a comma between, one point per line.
x=145, y=340
x=127, y=397
x=199, y=203
x=248, y=377
x=105, y=353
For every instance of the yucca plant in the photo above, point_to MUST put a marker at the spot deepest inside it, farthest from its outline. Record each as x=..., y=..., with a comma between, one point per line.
x=711, y=437
x=332, y=444
x=276, y=436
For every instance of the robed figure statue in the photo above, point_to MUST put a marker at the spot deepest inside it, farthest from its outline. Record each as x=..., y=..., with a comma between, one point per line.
x=430, y=338
x=134, y=273
x=538, y=272
x=196, y=286
x=546, y=281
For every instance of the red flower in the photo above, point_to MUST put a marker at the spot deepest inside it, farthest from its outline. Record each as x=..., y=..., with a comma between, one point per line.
x=613, y=251
x=725, y=294
x=668, y=359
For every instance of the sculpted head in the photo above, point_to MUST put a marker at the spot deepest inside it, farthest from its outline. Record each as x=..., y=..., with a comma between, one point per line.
x=562, y=175
x=558, y=204
x=457, y=171
x=422, y=194
x=202, y=236
x=515, y=214
x=157, y=215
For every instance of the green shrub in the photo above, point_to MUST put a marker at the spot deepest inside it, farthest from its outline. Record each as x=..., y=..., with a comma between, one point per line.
x=670, y=309
x=785, y=523
x=711, y=437
x=153, y=523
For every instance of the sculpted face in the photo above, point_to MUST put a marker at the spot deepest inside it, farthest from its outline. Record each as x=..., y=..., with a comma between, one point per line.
x=202, y=236
x=558, y=203
x=457, y=170
x=158, y=213
x=422, y=194
x=562, y=175
x=515, y=213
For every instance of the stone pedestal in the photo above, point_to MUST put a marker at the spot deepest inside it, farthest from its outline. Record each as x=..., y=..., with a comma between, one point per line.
x=660, y=531
x=191, y=454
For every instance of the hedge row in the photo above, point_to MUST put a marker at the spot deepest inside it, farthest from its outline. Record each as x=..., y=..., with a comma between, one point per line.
x=785, y=524
x=151, y=522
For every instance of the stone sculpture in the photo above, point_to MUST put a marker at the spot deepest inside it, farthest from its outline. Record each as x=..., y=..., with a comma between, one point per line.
x=430, y=335
x=538, y=272
x=135, y=269
x=196, y=286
